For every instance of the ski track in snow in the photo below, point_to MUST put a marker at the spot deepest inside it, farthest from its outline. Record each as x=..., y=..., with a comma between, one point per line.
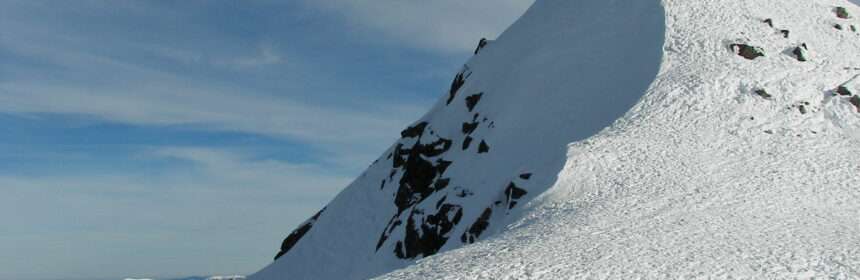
x=689, y=184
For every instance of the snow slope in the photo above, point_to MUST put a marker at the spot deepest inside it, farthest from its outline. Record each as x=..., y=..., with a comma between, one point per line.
x=704, y=178
x=619, y=139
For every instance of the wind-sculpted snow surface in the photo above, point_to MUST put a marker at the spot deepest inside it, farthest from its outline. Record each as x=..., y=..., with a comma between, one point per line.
x=741, y=161
x=498, y=138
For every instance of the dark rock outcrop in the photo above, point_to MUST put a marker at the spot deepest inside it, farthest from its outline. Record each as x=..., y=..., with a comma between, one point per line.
x=414, y=131
x=513, y=194
x=856, y=102
x=763, y=93
x=473, y=100
x=297, y=234
x=747, y=51
x=842, y=13
x=483, y=147
x=478, y=227
x=467, y=142
x=426, y=238
x=844, y=91
x=468, y=128
x=800, y=52
x=456, y=84
x=481, y=44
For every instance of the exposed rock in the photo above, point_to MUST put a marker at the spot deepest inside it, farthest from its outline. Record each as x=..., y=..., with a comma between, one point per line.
x=427, y=238
x=473, y=100
x=769, y=22
x=463, y=192
x=468, y=128
x=747, y=51
x=459, y=81
x=844, y=91
x=419, y=174
x=856, y=102
x=478, y=227
x=414, y=131
x=481, y=44
x=483, y=147
x=297, y=234
x=784, y=33
x=800, y=52
x=842, y=13
x=763, y=93
x=513, y=193
x=442, y=200
x=422, y=171
x=525, y=176
x=467, y=142
x=837, y=26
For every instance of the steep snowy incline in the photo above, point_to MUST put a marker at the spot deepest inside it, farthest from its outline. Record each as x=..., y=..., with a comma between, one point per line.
x=562, y=73
x=740, y=162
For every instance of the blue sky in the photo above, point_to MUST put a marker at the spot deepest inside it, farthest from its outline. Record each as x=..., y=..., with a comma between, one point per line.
x=170, y=138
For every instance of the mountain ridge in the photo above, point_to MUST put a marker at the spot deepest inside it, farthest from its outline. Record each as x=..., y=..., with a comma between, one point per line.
x=674, y=112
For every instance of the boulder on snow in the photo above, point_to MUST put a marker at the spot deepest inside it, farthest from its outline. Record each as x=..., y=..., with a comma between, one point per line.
x=763, y=93
x=844, y=91
x=747, y=51
x=842, y=13
x=801, y=52
x=856, y=102
x=849, y=88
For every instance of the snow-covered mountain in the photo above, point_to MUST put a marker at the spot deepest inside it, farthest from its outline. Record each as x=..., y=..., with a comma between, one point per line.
x=231, y=277
x=619, y=139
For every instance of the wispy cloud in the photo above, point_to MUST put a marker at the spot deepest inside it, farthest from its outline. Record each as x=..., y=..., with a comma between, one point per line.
x=443, y=25
x=266, y=55
x=221, y=199
x=233, y=169
x=117, y=91
x=189, y=66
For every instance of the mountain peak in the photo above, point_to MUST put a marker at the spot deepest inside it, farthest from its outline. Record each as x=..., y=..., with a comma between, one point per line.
x=599, y=139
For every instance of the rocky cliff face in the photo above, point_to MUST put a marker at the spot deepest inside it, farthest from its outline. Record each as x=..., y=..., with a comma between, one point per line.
x=619, y=136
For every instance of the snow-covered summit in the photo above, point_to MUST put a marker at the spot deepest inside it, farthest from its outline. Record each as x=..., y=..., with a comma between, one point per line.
x=618, y=139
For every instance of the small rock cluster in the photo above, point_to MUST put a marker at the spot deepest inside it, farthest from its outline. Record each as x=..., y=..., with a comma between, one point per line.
x=801, y=53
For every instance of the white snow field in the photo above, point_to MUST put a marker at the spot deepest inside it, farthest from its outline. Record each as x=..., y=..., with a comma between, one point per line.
x=620, y=139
